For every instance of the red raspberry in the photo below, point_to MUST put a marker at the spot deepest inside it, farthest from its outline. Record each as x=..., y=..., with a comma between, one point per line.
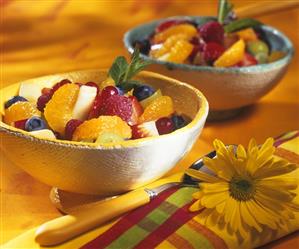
x=212, y=32
x=117, y=105
x=20, y=124
x=167, y=24
x=247, y=61
x=95, y=109
x=94, y=85
x=212, y=51
x=43, y=100
x=70, y=128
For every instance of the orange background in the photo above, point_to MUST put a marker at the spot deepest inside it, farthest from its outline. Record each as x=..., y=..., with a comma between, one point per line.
x=45, y=37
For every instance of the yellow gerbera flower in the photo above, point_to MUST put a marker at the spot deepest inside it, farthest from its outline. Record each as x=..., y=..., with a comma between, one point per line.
x=250, y=189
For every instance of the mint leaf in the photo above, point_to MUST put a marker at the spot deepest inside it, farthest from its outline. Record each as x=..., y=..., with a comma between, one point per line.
x=118, y=69
x=241, y=24
x=122, y=72
x=136, y=65
x=129, y=85
x=224, y=8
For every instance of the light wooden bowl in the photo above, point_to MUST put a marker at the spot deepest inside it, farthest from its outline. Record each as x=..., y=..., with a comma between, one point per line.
x=111, y=169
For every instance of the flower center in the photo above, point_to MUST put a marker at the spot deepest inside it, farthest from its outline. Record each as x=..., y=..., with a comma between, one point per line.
x=241, y=189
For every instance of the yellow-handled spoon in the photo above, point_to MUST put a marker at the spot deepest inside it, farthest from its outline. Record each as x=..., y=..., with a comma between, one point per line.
x=67, y=227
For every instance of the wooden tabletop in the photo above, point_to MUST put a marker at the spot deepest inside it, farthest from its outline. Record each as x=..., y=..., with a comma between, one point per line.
x=44, y=37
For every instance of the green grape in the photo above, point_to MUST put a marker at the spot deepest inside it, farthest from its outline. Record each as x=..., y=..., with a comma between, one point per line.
x=257, y=47
x=261, y=57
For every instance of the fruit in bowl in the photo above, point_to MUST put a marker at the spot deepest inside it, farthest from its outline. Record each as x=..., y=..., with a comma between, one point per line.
x=125, y=109
x=234, y=62
x=106, y=163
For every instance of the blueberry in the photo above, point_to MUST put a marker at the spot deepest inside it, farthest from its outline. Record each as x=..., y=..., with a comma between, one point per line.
x=35, y=124
x=178, y=121
x=13, y=100
x=142, y=92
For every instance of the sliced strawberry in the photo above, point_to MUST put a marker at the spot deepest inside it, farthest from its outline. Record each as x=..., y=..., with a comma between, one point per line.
x=95, y=109
x=247, y=61
x=147, y=129
x=137, y=110
x=20, y=124
x=117, y=105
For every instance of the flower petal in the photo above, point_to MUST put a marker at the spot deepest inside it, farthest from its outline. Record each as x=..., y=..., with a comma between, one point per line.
x=229, y=209
x=201, y=175
x=220, y=207
x=248, y=218
x=252, y=144
x=196, y=206
x=212, y=200
x=197, y=195
x=276, y=169
x=210, y=188
x=277, y=194
x=261, y=215
x=241, y=152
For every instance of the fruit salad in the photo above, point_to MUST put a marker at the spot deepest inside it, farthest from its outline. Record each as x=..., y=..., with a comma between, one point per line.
x=222, y=42
x=117, y=109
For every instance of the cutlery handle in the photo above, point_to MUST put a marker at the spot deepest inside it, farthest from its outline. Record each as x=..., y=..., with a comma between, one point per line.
x=66, y=227
x=259, y=9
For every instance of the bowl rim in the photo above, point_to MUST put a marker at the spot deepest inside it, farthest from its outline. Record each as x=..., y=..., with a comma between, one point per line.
x=186, y=67
x=200, y=116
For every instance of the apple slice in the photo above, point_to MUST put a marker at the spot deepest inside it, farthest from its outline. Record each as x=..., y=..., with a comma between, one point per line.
x=31, y=92
x=147, y=129
x=44, y=133
x=84, y=102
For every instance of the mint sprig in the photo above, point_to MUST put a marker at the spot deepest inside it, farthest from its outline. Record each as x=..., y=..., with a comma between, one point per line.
x=241, y=24
x=122, y=72
x=224, y=9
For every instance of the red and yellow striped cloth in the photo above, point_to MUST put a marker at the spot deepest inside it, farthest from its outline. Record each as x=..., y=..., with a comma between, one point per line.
x=167, y=223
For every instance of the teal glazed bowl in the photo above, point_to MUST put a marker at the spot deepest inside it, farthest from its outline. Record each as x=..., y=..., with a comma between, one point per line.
x=227, y=89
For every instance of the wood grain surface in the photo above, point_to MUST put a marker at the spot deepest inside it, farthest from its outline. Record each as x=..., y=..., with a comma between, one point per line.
x=45, y=37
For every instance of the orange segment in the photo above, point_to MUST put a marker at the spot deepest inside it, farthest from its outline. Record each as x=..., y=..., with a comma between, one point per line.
x=186, y=29
x=93, y=128
x=160, y=107
x=179, y=52
x=20, y=111
x=167, y=45
x=232, y=55
x=59, y=109
x=247, y=34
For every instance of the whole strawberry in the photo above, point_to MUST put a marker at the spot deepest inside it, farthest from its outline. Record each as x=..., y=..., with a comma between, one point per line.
x=212, y=32
x=117, y=105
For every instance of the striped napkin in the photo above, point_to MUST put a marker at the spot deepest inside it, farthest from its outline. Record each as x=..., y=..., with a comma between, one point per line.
x=166, y=222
